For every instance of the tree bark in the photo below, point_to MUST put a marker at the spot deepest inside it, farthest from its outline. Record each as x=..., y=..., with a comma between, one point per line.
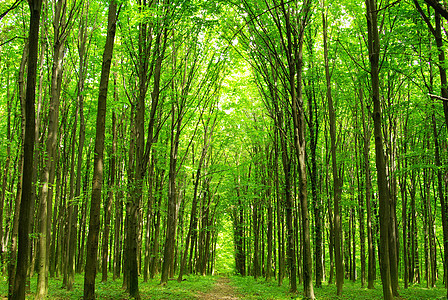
x=28, y=150
x=48, y=173
x=193, y=215
x=336, y=182
x=368, y=192
x=109, y=199
x=94, y=225
x=384, y=208
x=6, y=168
x=313, y=127
x=362, y=236
x=173, y=206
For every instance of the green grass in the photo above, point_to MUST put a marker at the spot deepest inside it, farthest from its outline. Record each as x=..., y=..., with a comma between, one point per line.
x=248, y=288
x=111, y=290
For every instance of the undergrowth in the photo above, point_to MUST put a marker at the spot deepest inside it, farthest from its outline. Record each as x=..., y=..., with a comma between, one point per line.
x=251, y=289
x=245, y=287
x=112, y=290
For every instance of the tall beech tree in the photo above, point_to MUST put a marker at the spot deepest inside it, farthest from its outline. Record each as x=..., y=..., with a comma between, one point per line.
x=94, y=222
x=337, y=182
x=61, y=31
x=436, y=31
x=383, y=189
x=149, y=64
x=28, y=150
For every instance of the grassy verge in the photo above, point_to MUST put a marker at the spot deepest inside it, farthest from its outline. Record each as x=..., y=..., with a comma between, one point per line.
x=251, y=289
x=247, y=287
x=111, y=290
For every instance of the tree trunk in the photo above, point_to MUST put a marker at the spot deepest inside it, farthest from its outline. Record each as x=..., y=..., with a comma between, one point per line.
x=413, y=274
x=6, y=170
x=81, y=140
x=71, y=218
x=295, y=63
x=118, y=206
x=28, y=150
x=82, y=223
x=444, y=92
x=384, y=208
x=313, y=127
x=171, y=224
x=256, y=225
x=94, y=223
x=270, y=223
x=193, y=215
x=336, y=182
x=437, y=33
x=238, y=223
x=362, y=235
x=109, y=198
x=368, y=190
x=404, y=221
x=48, y=173
x=154, y=264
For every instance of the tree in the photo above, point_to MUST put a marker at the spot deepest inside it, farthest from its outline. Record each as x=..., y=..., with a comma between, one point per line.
x=61, y=31
x=94, y=223
x=337, y=182
x=28, y=150
x=383, y=189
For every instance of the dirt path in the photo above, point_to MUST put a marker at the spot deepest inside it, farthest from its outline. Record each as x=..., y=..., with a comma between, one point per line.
x=222, y=290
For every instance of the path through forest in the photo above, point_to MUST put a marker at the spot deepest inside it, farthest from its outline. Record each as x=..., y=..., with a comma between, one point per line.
x=221, y=290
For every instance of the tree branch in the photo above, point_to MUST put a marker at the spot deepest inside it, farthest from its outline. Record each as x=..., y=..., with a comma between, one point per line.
x=437, y=97
x=9, y=9
x=438, y=7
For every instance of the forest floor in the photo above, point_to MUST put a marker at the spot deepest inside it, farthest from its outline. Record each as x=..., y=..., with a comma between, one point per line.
x=222, y=289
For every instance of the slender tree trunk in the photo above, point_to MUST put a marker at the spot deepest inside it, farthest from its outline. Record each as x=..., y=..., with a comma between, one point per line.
x=28, y=150
x=278, y=208
x=413, y=274
x=12, y=249
x=171, y=224
x=392, y=180
x=81, y=140
x=295, y=63
x=154, y=265
x=362, y=235
x=313, y=121
x=368, y=191
x=48, y=173
x=94, y=225
x=336, y=181
x=109, y=199
x=300, y=141
x=238, y=219
x=193, y=215
x=437, y=33
x=444, y=92
x=82, y=223
x=256, y=225
x=118, y=206
x=6, y=170
x=404, y=221
x=69, y=271
x=270, y=223
x=384, y=208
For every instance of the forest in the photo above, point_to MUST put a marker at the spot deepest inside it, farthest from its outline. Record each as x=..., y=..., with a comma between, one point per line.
x=150, y=145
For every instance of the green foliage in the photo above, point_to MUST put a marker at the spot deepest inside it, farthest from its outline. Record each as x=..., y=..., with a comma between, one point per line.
x=225, y=260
